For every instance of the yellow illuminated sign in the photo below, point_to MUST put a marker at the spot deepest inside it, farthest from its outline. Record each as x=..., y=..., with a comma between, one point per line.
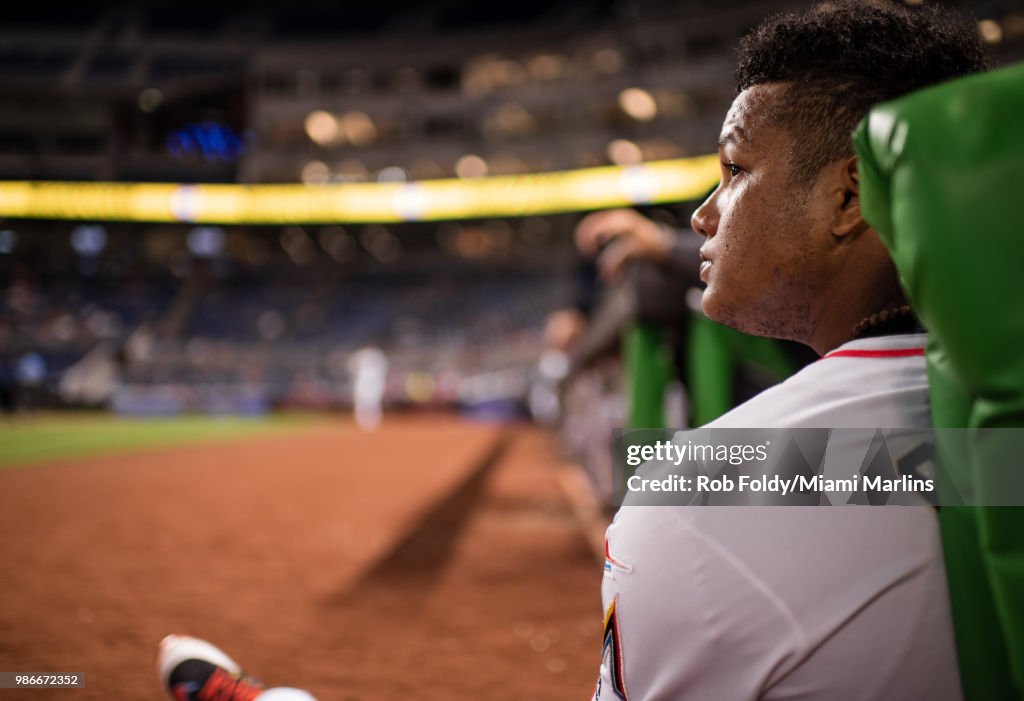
x=428, y=200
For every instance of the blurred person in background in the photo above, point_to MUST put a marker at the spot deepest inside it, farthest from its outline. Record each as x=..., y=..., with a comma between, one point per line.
x=7, y=389
x=618, y=236
x=30, y=381
x=561, y=329
x=369, y=369
x=631, y=266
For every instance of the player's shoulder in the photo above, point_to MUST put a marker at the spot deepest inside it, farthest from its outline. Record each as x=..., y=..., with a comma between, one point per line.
x=879, y=381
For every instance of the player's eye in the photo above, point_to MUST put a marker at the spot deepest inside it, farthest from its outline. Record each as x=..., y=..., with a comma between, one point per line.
x=733, y=169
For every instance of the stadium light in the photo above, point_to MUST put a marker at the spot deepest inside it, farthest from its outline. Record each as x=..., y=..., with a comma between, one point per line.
x=340, y=203
x=471, y=166
x=624, y=152
x=322, y=128
x=638, y=104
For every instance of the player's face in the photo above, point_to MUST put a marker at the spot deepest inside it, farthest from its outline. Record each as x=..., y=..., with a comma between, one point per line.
x=766, y=257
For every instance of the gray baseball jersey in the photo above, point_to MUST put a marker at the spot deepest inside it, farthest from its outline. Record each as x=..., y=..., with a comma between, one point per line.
x=773, y=602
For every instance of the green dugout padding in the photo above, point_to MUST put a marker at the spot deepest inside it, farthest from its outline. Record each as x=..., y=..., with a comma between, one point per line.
x=648, y=372
x=942, y=182
x=713, y=352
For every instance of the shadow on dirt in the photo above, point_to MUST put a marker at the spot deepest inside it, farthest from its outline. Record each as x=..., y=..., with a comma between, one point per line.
x=406, y=574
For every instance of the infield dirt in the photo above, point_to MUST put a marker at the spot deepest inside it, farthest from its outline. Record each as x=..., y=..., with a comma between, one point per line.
x=432, y=559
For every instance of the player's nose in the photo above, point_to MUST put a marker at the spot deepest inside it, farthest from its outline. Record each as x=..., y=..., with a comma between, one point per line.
x=705, y=218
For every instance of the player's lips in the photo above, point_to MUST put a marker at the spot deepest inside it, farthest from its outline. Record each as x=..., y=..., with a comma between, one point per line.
x=705, y=265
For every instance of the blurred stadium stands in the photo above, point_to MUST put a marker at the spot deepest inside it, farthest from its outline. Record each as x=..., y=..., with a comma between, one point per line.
x=275, y=322
x=179, y=317
x=315, y=91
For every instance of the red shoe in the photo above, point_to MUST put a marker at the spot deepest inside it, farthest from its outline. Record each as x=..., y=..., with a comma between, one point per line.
x=195, y=670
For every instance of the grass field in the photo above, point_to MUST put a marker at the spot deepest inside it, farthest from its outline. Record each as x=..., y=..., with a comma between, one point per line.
x=43, y=438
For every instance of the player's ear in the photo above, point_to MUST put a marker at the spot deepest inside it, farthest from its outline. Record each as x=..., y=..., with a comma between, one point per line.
x=847, y=218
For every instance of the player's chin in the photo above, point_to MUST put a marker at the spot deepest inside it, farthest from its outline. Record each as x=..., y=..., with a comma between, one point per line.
x=718, y=306
x=712, y=304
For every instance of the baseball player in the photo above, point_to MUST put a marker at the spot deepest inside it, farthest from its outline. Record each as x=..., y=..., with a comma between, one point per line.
x=746, y=603
x=369, y=368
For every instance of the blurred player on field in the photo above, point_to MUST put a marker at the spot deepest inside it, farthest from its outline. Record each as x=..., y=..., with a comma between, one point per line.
x=369, y=369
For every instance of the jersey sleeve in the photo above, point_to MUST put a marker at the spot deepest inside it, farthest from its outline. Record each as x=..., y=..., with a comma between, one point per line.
x=683, y=618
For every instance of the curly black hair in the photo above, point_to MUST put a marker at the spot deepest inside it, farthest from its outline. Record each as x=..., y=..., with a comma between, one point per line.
x=842, y=57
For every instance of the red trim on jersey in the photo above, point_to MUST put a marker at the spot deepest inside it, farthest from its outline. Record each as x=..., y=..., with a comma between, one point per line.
x=612, y=559
x=891, y=353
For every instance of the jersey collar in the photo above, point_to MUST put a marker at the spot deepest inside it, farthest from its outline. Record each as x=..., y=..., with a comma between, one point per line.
x=896, y=346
